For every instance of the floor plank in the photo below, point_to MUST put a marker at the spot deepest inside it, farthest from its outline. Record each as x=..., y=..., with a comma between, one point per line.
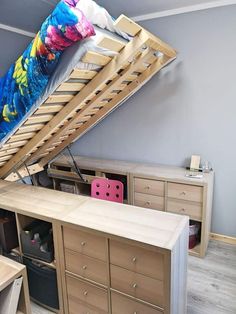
x=211, y=282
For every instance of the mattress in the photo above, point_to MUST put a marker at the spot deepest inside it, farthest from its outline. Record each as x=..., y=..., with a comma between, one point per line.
x=70, y=59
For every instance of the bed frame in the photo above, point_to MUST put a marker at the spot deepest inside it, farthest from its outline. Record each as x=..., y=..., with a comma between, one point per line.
x=75, y=107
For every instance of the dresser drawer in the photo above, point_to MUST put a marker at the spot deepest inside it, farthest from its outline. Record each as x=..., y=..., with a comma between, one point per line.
x=148, y=186
x=124, y=305
x=88, y=294
x=86, y=266
x=137, y=285
x=149, y=201
x=137, y=259
x=194, y=210
x=76, y=307
x=85, y=243
x=185, y=192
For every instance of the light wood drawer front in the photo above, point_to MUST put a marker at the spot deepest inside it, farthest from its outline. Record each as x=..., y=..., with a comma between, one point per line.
x=89, y=294
x=85, y=243
x=86, y=266
x=137, y=259
x=149, y=201
x=137, y=285
x=185, y=192
x=194, y=210
x=148, y=186
x=76, y=307
x=124, y=305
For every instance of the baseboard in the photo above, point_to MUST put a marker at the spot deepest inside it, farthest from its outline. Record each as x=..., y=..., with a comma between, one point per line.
x=223, y=238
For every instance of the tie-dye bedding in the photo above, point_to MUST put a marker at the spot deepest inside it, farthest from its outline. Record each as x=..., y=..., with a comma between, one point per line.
x=27, y=78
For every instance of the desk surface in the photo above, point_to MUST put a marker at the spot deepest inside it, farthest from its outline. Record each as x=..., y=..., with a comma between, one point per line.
x=9, y=271
x=156, y=171
x=139, y=224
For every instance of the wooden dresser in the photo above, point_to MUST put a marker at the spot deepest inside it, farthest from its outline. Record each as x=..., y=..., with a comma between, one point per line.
x=118, y=260
x=164, y=188
x=109, y=257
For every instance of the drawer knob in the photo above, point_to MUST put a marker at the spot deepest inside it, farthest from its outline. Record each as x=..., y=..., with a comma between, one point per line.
x=183, y=209
x=135, y=286
x=85, y=293
x=183, y=193
x=84, y=267
x=134, y=259
x=83, y=243
x=147, y=187
x=135, y=312
x=148, y=203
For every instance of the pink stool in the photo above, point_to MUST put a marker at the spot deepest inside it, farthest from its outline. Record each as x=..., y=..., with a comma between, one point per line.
x=106, y=189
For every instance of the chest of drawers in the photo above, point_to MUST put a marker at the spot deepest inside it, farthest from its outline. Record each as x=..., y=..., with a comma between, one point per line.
x=121, y=261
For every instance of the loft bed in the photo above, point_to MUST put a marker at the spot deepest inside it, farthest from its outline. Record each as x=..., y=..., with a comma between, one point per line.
x=74, y=107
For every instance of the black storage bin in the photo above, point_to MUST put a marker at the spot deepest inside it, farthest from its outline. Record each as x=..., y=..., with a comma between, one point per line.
x=42, y=283
x=37, y=240
x=8, y=231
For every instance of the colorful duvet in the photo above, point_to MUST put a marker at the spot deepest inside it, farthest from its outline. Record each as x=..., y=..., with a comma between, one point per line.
x=27, y=78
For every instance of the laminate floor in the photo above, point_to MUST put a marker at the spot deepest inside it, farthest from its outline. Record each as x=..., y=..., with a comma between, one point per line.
x=211, y=282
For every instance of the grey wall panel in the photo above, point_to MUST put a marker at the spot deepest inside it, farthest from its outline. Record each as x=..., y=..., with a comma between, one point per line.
x=25, y=14
x=12, y=45
x=189, y=108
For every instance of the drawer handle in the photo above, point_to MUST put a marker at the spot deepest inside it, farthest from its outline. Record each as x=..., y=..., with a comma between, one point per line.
x=83, y=243
x=84, y=267
x=182, y=209
x=147, y=187
x=148, y=203
x=134, y=259
x=85, y=293
x=135, y=286
x=183, y=193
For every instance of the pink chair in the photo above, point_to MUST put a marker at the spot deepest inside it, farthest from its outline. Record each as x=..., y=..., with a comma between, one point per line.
x=106, y=189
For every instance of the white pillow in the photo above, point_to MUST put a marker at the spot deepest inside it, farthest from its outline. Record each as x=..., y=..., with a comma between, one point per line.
x=99, y=16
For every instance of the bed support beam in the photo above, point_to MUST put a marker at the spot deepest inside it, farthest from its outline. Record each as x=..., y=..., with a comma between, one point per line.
x=24, y=172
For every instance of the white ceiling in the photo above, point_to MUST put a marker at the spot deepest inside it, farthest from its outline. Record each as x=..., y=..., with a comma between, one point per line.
x=29, y=14
x=138, y=7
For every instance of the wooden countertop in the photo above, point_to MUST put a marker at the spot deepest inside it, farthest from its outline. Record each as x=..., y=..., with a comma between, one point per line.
x=9, y=271
x=156, y=171
x=139, y=224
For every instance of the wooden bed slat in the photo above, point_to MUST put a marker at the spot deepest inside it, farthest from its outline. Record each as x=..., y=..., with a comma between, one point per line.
x=39, y=118
x=70, y=87
x=30, y=128
x=44, y=109
x=19, y=137
x=96, y=58
x=111, y=44
x=13, y=145
x=5, y=158
x=58, y=98
x=83, y=74
x=8, y=151
x=128, y=26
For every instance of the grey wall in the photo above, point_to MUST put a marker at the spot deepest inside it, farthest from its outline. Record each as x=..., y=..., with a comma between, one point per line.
x=12, y=45
x=189, y=108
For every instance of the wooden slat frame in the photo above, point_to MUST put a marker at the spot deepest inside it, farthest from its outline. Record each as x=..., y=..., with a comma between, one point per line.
x=118, y=79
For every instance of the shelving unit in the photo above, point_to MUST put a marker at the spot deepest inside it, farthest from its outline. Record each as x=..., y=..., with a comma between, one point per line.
x=10, y=271
x=64, y=173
